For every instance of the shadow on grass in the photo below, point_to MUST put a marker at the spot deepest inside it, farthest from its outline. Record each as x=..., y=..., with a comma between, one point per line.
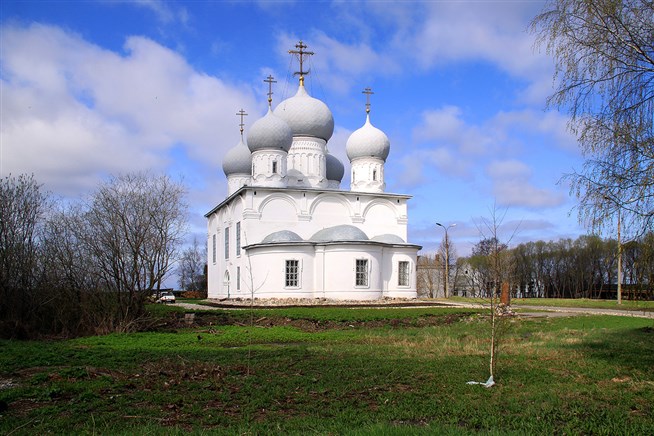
x=626, y=348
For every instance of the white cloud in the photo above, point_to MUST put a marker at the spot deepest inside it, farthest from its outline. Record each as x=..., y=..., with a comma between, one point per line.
x=72, y=111
x=512, y=186
x=447, y=126
x=338, y=63
x=164, y=12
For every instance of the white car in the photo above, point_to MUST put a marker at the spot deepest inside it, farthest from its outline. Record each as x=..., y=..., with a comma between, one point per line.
x=166, y=297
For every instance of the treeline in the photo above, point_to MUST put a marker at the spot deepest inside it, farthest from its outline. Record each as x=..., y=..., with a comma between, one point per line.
x=86, y=267
x=586, y=267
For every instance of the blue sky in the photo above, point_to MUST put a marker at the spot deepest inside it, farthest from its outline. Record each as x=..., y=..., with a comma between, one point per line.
x=97, y=88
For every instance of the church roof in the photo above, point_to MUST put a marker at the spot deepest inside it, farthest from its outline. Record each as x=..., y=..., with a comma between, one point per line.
x=307, y=116
x=282, y=236
x=343, y=232
x=388, y=238
x=270, y=133
x=368, y=141
x=334, y=168
x=238, y=160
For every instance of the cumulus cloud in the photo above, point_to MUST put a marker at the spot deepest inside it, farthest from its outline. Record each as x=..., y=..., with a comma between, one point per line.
x=73, y=111
x=512, y=186
x=446, y=125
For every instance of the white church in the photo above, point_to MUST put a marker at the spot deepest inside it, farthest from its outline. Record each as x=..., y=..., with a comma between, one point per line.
x=288, y=230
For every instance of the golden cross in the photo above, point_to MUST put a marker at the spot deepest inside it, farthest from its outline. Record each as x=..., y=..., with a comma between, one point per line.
x=270, y=80
x=301, y=53
x=242, y=114
x=368, y=92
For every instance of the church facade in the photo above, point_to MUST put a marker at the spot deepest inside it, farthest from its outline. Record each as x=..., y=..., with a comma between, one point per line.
x=288, y=230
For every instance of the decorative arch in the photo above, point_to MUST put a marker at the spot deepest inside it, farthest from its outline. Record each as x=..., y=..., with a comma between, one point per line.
x=370, y=209
x=238, y=201
x=324, y=198
x=276, y=198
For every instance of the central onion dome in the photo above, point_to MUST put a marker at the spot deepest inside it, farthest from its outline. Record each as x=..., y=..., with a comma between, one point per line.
x=238, y=160
x=270, y=133
x=368, y=141
x=307, y=116
x=334, y=169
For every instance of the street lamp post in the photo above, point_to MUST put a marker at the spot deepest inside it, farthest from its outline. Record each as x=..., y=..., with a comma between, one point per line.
x=619, y=207
x=447, y=258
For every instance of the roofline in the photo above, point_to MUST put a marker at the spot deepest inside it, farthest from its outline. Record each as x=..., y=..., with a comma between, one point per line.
x=314, y=243
x=293, y=189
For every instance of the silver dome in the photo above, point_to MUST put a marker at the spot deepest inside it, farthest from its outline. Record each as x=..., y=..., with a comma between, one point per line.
x=334, y=168
x=238, y=160
x=388, y=238
x=343, y=232
x=306, y=115
x=270, y=133
x=282, y=236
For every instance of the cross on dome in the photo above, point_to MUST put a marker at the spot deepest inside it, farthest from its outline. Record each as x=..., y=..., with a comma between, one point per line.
x=270, y=80
x=242, y=114
x=368, y=92
x=300, y=54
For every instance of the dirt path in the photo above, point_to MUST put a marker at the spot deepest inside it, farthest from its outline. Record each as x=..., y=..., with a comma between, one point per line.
x=548, y=311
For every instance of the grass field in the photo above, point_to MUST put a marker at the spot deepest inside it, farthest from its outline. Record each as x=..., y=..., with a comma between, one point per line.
x=335, y=371
x=647, y=306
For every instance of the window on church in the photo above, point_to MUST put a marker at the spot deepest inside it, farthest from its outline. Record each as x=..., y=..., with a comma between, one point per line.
x=226, y=242
x=374, y=175
x=214, y=248
x=238, y=238
x=292, y=273
x=238, y=278
x=403, y=273
x=361, y=272
x=274, y=167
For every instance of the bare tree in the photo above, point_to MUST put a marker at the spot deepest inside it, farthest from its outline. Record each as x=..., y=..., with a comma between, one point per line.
x=496, y=268
x=428, y=273
x=134, y=226
x=23, y=205
x=604, y=57
x=191, y=268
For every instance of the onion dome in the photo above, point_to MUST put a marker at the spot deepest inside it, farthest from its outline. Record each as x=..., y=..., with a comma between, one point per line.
x=334, y=168
x=270, y=133
x=282, y=236
x=344, y=232
x=368, y=141
x=238, y=160
x=307, y=116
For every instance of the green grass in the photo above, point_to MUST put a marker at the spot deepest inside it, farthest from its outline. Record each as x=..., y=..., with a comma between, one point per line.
x=562, y=302
x=336, y=371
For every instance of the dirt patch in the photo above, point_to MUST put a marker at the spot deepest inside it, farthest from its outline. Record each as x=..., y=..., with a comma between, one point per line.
x=176, y=321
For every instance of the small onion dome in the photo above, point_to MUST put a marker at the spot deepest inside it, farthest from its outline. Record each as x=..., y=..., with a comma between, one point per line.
x=270, y=133
x=388, y=238
x=238, y=160
x=368, y=141
x=306, y=115
x=282, y=236
x=344, y=232
x=334, y=168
